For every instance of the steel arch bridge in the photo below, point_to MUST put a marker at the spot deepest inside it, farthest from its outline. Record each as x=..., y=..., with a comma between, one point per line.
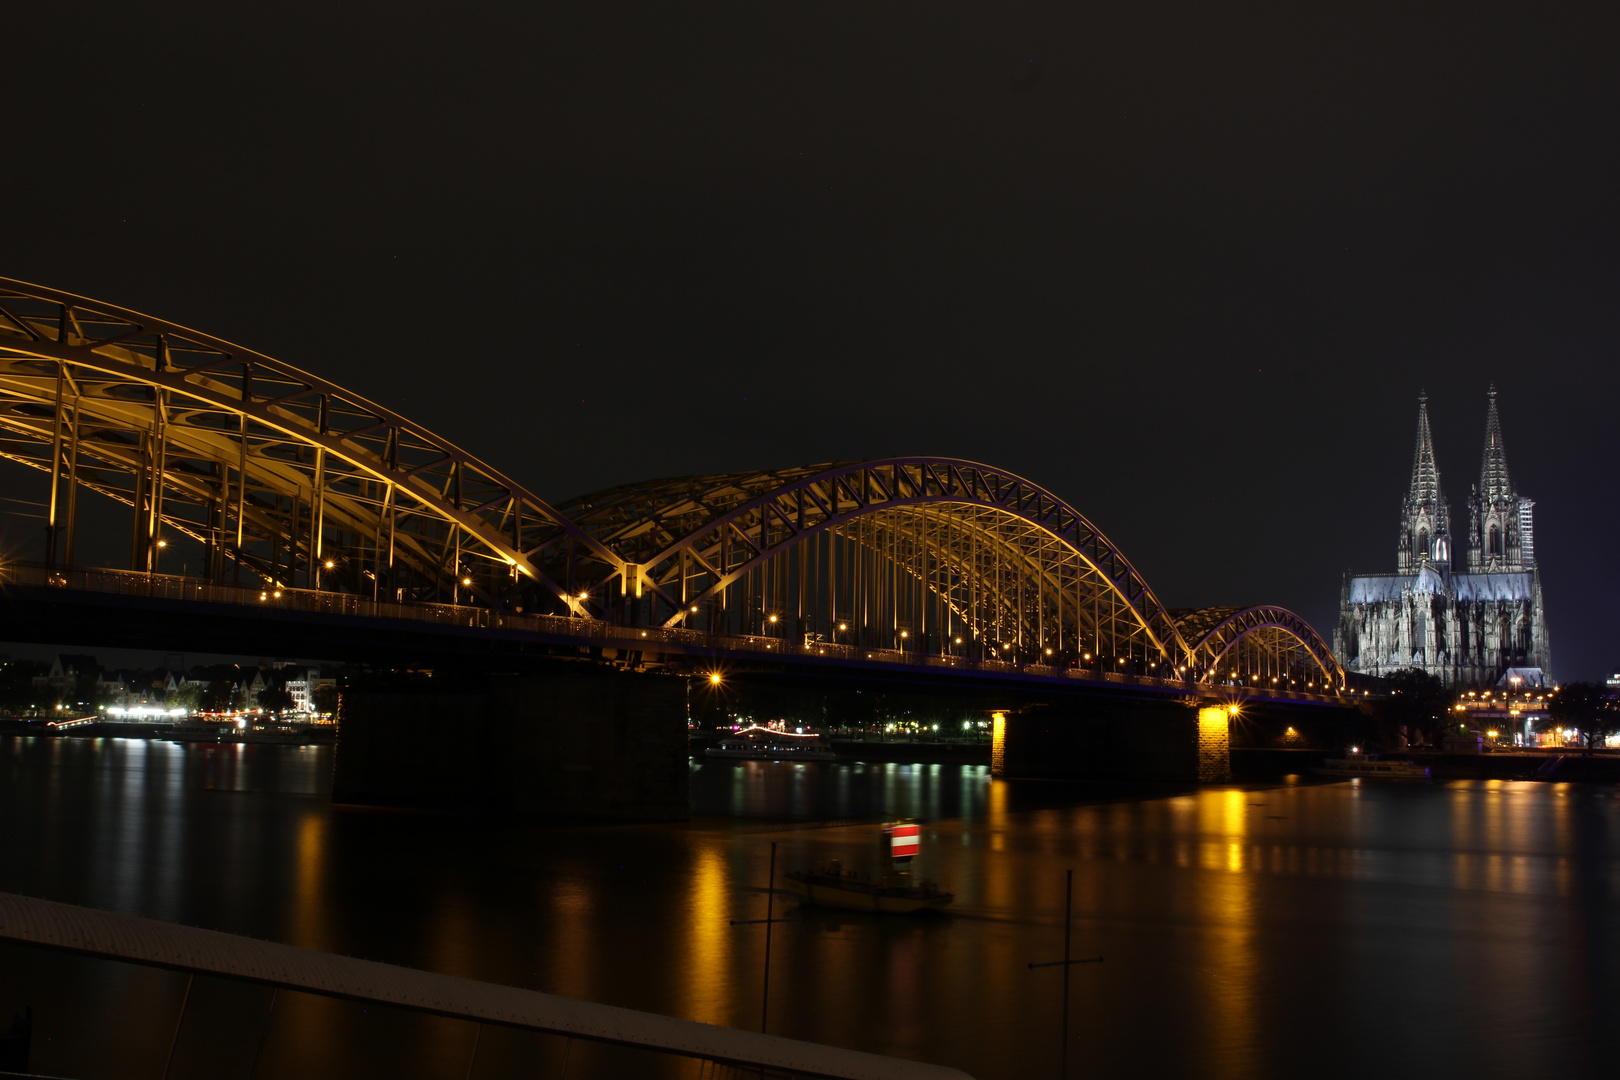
x=259, y=474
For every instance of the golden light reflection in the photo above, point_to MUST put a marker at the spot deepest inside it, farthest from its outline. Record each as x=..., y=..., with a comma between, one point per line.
x=1226, y=896
x=573, y=958
x=996, y=815
x=708, y=991
x=998, y=744
x=309, y=928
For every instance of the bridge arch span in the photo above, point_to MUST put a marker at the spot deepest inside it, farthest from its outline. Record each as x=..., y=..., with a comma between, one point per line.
x=246, y=470
x=911, y=551
x=1261, y=645
x=274, y=473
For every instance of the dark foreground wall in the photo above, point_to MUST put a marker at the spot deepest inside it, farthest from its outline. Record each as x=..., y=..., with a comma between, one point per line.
x=579, y=742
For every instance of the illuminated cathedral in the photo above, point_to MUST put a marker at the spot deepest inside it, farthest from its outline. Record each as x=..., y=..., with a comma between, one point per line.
x=1483, y=626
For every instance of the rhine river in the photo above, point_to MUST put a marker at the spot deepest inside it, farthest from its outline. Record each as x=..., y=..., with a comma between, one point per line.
x=1337, y=930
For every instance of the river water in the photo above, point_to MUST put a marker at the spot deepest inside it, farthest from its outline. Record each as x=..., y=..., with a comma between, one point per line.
x=1342, y=929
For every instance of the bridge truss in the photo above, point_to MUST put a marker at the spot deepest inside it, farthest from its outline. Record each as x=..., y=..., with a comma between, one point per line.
x=248, y=471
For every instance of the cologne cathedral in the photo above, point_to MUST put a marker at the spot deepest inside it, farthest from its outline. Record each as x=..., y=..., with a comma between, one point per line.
x=1480, y=627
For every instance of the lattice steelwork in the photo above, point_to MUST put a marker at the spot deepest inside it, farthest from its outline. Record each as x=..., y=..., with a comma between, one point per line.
x=931, y=555
x=268, y=473
x=257, y=473
x=1266, y=646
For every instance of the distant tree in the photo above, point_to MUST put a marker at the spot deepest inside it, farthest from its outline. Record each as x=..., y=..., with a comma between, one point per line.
x=17, y=693
x=326, y=699
x=1587, y=707
x=187, y=697
x=217, y=698
x=105, y=695
x=83, y=691
x=1418, y=702
x=275, y=699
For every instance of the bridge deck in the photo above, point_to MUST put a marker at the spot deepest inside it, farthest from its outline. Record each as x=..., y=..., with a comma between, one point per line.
x=634, y=645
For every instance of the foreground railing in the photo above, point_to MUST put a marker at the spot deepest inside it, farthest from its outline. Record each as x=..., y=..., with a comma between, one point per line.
x=314, y=601
x=65, y=927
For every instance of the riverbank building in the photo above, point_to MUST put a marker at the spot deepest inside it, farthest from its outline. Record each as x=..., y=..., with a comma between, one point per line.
x=1469, y=609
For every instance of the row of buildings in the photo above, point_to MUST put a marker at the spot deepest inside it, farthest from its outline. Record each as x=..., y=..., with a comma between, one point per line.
x=77, y=679
x=1465, y=606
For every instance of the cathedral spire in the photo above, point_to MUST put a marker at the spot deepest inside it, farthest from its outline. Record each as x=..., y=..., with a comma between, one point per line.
x=1493, y=471
x=1501, y=523
x=1425, y=475
x=1425, y=538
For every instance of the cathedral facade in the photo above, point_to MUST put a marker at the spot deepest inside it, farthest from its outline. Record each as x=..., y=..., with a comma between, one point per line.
x=1480, y=625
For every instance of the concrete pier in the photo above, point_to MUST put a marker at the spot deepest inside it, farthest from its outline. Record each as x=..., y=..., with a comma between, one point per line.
x=575, y=742
x=1099, y=740
x=1178, y=740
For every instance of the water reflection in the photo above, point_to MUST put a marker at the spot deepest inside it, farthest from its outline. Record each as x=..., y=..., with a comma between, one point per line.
x=1435, y=929
x=1227, y=897
x=708, y=939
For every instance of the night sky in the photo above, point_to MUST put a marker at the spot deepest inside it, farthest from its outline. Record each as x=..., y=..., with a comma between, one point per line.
x=1187, y=265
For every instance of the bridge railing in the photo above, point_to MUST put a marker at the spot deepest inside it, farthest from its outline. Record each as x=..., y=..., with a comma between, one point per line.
x=314, y=601
x=110, y=936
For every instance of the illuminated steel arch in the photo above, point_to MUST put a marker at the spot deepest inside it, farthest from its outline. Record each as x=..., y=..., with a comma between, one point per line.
x=273, y=472
x=261, y=473
x=1261, y=645
x=898, y=553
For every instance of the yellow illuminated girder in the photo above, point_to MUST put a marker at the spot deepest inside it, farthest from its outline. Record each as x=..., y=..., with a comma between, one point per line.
x=274, y=470
x=294, y=481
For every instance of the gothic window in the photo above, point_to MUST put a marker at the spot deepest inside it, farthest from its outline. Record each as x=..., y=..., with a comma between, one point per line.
x=1495, y=547
x=1524, y=638
x=1423, y=543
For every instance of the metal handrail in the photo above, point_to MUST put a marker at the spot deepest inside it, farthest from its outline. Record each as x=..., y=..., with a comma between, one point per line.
x=48, y=924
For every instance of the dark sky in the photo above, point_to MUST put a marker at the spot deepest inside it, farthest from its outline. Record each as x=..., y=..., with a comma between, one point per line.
x=1185, y=264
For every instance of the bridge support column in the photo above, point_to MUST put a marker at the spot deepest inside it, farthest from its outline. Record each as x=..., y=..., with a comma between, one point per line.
x=574, y=742
x=1214, y=744
x=1151, y=741
x=998, y=744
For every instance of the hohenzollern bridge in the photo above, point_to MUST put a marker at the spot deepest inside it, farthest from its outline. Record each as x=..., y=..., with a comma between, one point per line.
x=247, y=483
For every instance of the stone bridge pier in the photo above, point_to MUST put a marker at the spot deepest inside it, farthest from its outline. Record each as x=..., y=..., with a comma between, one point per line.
x=1176, y=740
x=575, y=741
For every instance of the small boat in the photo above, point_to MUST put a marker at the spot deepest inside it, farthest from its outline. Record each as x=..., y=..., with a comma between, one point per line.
x=768, y=744
x=1368, y=765
x=890, y=893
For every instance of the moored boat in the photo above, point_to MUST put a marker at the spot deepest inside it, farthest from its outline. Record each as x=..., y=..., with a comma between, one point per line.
x=1368, y=765
x=889, y=893
x=768, y=744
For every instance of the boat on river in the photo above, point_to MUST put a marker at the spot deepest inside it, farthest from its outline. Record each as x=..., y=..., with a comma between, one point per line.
x=1368, y=765
x=890, y=893
x=767, y=744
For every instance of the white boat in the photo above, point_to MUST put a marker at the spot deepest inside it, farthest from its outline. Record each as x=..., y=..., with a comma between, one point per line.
x=767, y=744
x=1368, y=765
